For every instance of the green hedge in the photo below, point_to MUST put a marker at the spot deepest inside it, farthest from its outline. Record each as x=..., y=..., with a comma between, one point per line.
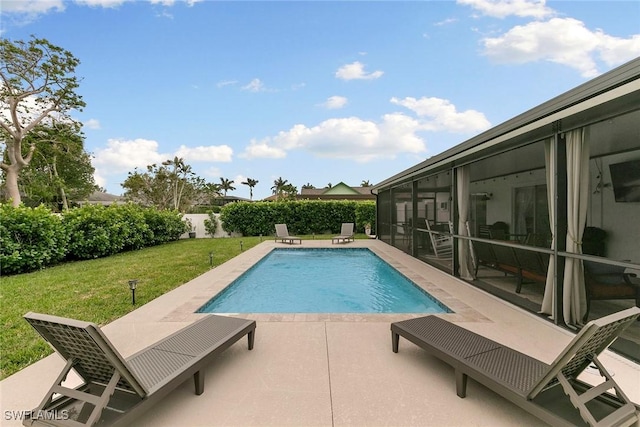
x=34, y=238
x=30, y=239
x=301, y=216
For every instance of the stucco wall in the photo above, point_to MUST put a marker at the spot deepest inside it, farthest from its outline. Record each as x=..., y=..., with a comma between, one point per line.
x=198, y=221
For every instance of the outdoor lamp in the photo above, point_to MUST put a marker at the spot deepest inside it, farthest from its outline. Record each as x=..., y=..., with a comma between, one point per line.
x=240, y=245
x=133, y=284
x=211, y=259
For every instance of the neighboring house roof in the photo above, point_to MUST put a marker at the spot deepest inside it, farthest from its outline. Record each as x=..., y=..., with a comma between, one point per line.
x=99, y=198
x=340, y=191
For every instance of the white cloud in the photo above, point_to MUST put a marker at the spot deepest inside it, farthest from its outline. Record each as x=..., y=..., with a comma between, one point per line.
x=355, y=71
x=564, y=41
x=172, y=2
x=214, y=173
x=447, y=21
x=335, y=102
x=31, y=6
x=254, y=86
x=365, y=140
x=503, y=8
x=436, y=114
x=262, y=150
x=92, y=124
x=101, y=3
x=211, y=153
x=126, y=155
x=100, y=180
x=226, y=83
x=122, y=156
x=615, y=51
x=349, y=138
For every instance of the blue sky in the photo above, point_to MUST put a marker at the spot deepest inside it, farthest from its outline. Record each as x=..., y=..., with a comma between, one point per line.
x=314, y=91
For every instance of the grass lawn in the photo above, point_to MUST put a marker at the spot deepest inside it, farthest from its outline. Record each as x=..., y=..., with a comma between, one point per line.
x=98, y=291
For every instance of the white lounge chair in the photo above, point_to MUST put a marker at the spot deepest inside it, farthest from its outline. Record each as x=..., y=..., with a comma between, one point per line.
x=282, y=234
x=346, y=234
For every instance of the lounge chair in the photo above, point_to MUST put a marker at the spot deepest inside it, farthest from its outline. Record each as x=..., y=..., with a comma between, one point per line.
x=282, y=234
x=346, y=234
x=116, y=390
x=441, y=243
x=609, y=282
x=551, y=392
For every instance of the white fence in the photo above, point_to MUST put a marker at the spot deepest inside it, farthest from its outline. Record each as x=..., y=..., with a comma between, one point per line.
x=197, y=220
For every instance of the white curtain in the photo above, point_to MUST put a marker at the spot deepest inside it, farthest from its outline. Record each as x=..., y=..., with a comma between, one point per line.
x=549, y=300
x=525, y=205
x=464, y=254
x=573, y=295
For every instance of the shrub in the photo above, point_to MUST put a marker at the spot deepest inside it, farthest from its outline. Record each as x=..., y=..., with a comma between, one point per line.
x=301, y=216
x=94, y=232
x=365, y=214
x=165, y=226
x=30, y=239
x=131, y=225
x=211, y=224
x=33, y=238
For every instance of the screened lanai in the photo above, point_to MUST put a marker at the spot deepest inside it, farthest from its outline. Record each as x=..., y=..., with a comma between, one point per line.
x=542, y=210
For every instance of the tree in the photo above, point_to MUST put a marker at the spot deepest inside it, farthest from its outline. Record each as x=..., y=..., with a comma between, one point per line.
x=38, y=83
x=278, y=185
x=60, y=169
x=365, y=184
x=226, y=185
x=179, y=178
x=251, y=183
x=208, y=193
x=289, y=191
x=308, y=186
x=173, y=185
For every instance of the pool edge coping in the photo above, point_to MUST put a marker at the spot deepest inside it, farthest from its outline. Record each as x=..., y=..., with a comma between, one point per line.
x=206, y=286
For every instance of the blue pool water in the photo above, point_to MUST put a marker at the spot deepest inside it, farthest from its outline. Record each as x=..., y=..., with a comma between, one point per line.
x=322, y=281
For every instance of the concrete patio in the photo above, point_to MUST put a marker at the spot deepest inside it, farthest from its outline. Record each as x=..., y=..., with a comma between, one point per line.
x=327, y=369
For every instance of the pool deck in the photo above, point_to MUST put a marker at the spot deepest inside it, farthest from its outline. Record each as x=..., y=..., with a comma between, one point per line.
x=327, y=369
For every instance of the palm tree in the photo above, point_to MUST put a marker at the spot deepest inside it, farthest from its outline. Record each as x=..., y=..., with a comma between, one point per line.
x=290, y=191
x=365, y=183
x=226, y=185
x=308, y=186
x=278, y=185
x=251, y=183
x=179, y=175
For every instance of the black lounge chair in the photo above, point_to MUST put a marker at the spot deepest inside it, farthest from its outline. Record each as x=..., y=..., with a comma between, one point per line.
x=550, y=392
x=116, y=391
x=282, y=234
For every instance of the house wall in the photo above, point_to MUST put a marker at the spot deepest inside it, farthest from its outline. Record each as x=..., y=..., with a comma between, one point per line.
x=500, y=207
x=621, y=221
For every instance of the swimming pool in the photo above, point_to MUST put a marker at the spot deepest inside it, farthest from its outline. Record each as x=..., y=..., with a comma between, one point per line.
x=345, y=280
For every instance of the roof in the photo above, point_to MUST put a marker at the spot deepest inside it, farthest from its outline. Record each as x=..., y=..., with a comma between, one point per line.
x=340, y=191
x=100, y=198
x=608, y=95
